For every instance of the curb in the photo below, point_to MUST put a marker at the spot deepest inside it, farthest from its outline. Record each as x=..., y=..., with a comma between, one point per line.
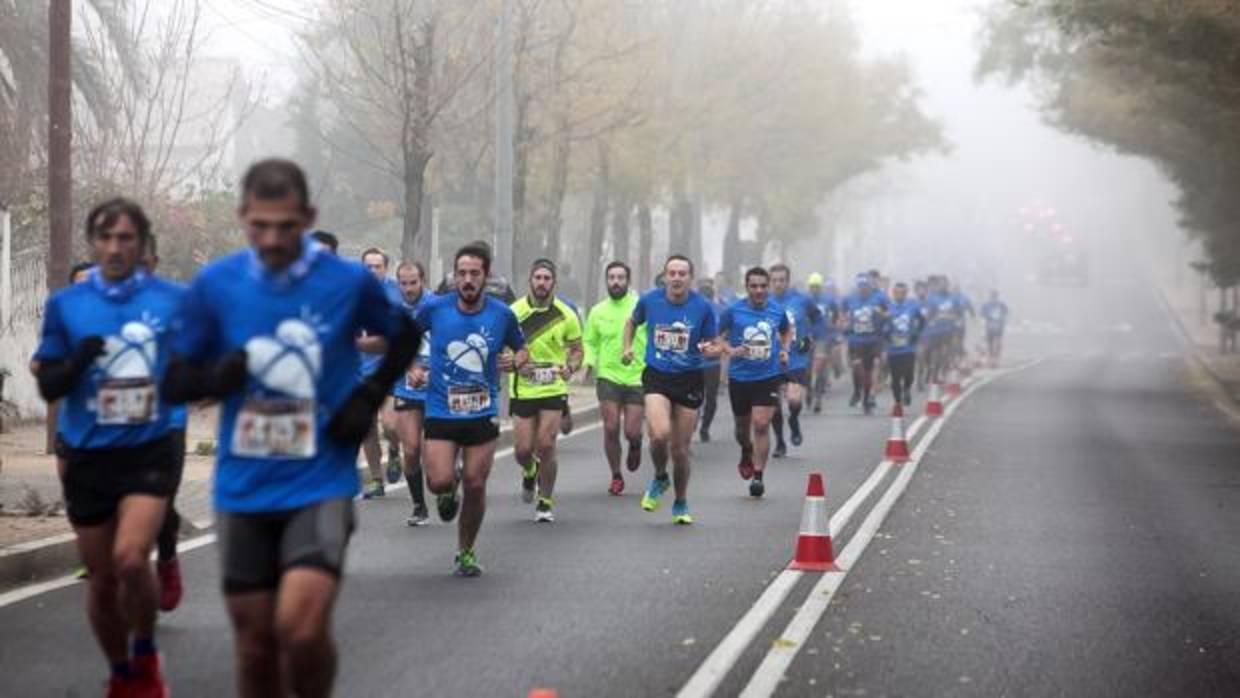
x=1226, y=397
x=47, y=558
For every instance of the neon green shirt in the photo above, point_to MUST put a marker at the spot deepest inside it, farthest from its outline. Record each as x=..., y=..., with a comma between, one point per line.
x=548, y=332
x=604, y=341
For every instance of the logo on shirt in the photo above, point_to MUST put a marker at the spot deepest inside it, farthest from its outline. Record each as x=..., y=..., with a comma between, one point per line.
x=288, y=362
x=469, y=355
x=131, y=354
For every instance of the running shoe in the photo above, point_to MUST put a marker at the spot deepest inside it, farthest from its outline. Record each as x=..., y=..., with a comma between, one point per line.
x=394, y=470
x=566, y=423
x=170, y=587
x=680, y=513
x=756, y=487
x=447, y=504
x=147, y=680
x=855, y=400
x=543, y=512
x=704, y=436
x=650, y=500
x=375, y=489
x=419, y=517
x=818, y=406
x=781, y=450
x=745, y=466
x=908, y=399
x=529, y=482
x=870, y=404
x=635, y=459
x=794, y=427
x=467, y=564
x=616, y=486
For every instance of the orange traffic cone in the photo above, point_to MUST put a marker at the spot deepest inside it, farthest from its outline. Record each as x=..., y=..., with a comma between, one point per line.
x=814, y=550
x=953, y=382
x=543, y=693
x=897, y=444
x=934, y=406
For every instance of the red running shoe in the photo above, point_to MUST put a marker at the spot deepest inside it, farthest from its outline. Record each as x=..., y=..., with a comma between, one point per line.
x=147, y=681
x=616, y=486
x=119, y=687
x=170, y=587
x=745, y=466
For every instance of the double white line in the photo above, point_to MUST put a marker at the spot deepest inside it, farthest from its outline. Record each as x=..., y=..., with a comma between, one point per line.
x=766, y=679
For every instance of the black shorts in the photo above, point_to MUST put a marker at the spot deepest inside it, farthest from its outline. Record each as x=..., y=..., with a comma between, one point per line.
x=463, y=432
x=797, y=375
x=746, y=395
x=607, y=391
x=401, y=404
x=528, y=408
x=96, y=480
x=684, y=389
x=178, y=458
x=257, y=549
x=865, y=353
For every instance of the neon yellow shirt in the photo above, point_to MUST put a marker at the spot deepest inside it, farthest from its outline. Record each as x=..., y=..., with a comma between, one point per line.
x=604, y=341
x=548, y=332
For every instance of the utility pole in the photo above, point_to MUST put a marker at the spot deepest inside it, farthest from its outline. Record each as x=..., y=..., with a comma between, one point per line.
x=59, y=163
x=504, y=117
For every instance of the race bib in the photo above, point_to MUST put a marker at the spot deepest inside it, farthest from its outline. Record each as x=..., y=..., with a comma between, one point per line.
x=126, y=401
x=468, y=399
x=276, y=428
x=863, y=321
x=544, y=375
x=899, y=341
x=758, y=351
x=671, y=338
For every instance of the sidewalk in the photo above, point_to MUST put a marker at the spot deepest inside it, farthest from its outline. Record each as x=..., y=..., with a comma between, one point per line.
x=30, y=497
x=1183, y=304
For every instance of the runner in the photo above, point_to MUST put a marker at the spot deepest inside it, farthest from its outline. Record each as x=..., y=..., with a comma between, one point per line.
x=327, y=238
x=995, y=312
x=618, y=385
x=539, y=390
x=865, y=314
x=377, y=262
x=921, y=294
x=901, y=333
x=270, y=332
x=102, y=352
x=167, y=566
x=826, y=336
x=712, y=369
x=960, y=347
x=680, y=333
x=805, y=316
x=756, y=333
x=409, y=394
x=944, y=311
x=468, y=331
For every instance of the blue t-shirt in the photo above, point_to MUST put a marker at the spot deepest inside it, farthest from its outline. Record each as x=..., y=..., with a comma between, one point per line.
x=864, y=318
x=673, y=330
x=717, y=307
x=944, y=313
x=464, y=347
x=116, y=402
x=370, y=362
x=904, y=324
x=804, y=316
x=403, y=389
x=828, y=307
x=758, y=330
x=298, y=329
x=995, y=313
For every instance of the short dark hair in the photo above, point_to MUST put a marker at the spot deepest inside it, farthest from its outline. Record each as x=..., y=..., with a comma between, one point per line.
x=375, y=250
x=617, y=264
x=901, y=284
x=328, y=239
x=415, y=265
x=543, y=263
x=474, y=249
x=781, y=267
x=79, y=268
x=756, y=271
x=275, y=178
x=107, y=213
x=678, y=258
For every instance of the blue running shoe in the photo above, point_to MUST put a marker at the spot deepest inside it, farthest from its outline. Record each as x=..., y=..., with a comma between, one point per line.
x=650, y=500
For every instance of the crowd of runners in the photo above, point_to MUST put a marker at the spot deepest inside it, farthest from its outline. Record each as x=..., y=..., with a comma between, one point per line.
x=312, y=357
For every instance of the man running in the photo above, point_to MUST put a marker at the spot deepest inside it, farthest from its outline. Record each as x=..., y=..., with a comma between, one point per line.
x=680, y=335
x=756, y=333
x=618, y=385
x=995, y=313
x=376, y=261
x=409, y=394
x=805, y=316
x=469, y=331
x=270, y=332
x=944, y=312
x=712, y=369
x=865, y=314
x=901, y=333
x=103, y=350
x=826, y=335
x=539, y=390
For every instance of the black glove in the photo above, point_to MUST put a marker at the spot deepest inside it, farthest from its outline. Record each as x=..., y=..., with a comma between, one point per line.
x=56, y=379
x=804, y=345
x=229, y=374
x=185, y=381
x=352, y=421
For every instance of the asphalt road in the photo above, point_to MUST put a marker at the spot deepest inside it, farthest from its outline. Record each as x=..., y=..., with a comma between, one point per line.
x=1071, y=532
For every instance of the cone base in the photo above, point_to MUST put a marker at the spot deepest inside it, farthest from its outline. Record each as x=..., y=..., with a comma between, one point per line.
x=814, y=566
x=934, y=409
x=897, y=451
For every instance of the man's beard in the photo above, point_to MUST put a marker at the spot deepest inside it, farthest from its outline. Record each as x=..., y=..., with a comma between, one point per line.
x=617, y=292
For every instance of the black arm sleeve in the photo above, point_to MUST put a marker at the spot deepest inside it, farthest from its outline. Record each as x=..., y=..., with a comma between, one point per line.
x=402, y=348
x=186, y=381
x=352, y=420
x=57, y=378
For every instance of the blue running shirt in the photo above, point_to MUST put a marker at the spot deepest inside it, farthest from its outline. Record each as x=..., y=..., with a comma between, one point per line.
x=864, y=318
x=298, y=329
x=116, y=402
x=370, y=362
x=903, y=325
x=995, y=314
x=799, y=307
x=464, y=347
x=673, y=330
x=758, y=330
x=403, y=389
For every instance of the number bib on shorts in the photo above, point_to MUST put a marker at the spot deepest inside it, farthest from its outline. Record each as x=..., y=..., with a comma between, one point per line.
x=126, y=401
x=671, y=338
x=544, y=375
x=277, y=428
x=468, y=399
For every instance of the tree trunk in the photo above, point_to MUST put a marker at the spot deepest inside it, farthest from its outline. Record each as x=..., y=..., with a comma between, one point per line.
x=732, y=242
x=621, y=230
x=525, y=249
x=645, y=224
x=59, y=158
x=560, y=156
x=598, y=224
x=415, y=182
